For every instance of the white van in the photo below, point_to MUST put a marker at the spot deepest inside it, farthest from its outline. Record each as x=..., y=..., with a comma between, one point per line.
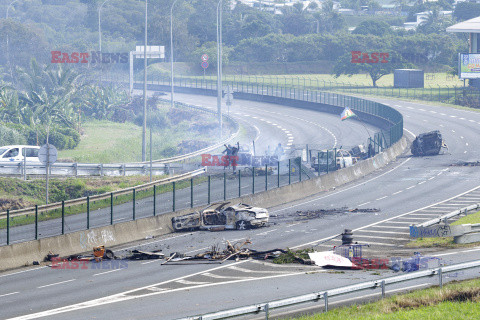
x=16, y=153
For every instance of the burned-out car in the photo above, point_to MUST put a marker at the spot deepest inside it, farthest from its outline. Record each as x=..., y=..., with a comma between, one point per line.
x=222, y=216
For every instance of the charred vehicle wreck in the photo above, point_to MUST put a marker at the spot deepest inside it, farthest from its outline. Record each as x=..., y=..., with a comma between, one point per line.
x=428, y=144
x=220, y=216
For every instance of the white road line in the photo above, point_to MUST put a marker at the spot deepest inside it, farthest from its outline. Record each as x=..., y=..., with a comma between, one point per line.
x=390, y=227
x=197, y=250
x=431, y=178
x=410, y=188
x=54, y=284
x=346, y=189
x=216, y=276
x=379, y=222
x=144, y=244
x=397, y=192
x=389, y=232
x=266, y=232
x=8, y=294
x=381, y=198
x=363, y=204
x=14, y=273
x=183, y=281
x=422, y=182
x=114, y=270
x=377, y=237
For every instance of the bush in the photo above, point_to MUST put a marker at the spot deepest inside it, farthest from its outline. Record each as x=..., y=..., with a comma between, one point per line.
x=10, y=136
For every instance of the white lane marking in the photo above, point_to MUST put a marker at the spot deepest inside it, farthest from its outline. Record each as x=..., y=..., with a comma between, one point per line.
x=258, y=132
x=422, y=109
x=216, y=276
x=456, y=252
x=461, y=118
x=183, y=281
x=197, y=250
x=410, y=188
x=443, y=114
x=377, y=237
x=431, y=178
x=389, y=227
x=14, y=273
x=54, y=284
x=433, y=111
x=114, y=270
x=453, y=117
x=397, y=192
x=124, y=297
x=363, y=204
x=422, y=182
x=466, y=143
x=266, y=232
x=461, y=137
x=8, y=294
x=144, y=244
x=388, y=219
x=381, y=198
x=346, y=189
x=389, y=232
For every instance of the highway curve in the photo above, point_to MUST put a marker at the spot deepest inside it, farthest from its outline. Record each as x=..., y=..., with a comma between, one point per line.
x=407, y=191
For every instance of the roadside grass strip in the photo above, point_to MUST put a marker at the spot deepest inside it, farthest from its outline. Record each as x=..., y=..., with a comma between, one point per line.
x=456, y=300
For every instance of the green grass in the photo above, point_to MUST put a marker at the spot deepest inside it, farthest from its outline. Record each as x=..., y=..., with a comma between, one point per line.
x=456, y=300
x=447, y=242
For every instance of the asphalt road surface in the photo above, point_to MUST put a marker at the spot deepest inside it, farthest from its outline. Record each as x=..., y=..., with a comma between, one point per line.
x=406, y=191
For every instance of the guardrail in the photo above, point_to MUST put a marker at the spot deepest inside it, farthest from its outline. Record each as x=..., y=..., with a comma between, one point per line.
x=85, y=169
x=369, y=111
x=78, y=201
x=325, y=295
x=449, y=215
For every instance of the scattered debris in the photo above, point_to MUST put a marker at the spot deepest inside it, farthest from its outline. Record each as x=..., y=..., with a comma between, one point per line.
x=50, y=256
x=466, y=164
x=330, y=259
x=145, y=255
x=314, y=214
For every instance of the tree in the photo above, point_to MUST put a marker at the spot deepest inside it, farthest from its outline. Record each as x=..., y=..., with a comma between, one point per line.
x=375, y=70
x=374, y=27
x=466, y=10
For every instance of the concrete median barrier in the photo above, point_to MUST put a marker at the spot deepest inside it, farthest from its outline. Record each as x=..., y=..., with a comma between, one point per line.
x=22, y=254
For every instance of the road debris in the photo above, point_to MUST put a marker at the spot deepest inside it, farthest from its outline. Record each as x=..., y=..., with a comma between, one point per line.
x=428, y=144
x=319, y=213
x=145, y=255
x=466, y=164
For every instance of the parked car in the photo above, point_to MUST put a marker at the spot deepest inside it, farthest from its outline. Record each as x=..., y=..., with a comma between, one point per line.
x=223, y=216
x=16, y=153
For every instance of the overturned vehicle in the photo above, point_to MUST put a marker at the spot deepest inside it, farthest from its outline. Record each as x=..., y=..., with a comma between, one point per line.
x=427, y=144
x=220, y=216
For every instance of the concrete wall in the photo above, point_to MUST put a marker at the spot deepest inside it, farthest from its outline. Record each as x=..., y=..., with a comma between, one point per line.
x=21, y=254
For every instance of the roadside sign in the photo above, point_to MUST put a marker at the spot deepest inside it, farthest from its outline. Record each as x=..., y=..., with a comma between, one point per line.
x=204, y=57
x=204, y=64
x=47, y=154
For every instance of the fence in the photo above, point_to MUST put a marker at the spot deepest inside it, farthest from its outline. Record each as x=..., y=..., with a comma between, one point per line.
x=172, y=195
x=325, y=295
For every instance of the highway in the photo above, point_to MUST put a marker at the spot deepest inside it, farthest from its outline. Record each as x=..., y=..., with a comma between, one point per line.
x=410, y=189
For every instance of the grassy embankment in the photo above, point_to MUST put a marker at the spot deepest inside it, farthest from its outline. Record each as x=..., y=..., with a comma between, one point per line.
x=456, y=300
x=447, y=242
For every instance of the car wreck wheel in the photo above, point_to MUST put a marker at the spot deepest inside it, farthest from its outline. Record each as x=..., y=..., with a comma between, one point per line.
x=242, y=225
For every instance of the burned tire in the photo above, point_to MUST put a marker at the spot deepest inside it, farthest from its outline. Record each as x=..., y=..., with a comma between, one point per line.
x=109, y=254
x=242, y=225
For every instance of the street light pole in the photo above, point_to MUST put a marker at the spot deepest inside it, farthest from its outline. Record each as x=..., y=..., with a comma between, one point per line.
x=219, y=66
x=99, y=25
x=8, y=50
x=171, y=48
x=144, y=130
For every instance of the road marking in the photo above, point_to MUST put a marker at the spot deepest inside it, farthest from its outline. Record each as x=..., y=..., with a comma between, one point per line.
x=266, y=232
x=183, y=281
x=54, y=284
x=390, y=227
x=123, y=296
x=381, y=198
x=144, y=244
x=377, y=237
x=14, y=273
x=410, y=188
x=379, y=222
x=8, y=294
x=197, y=250
x=346, y=189
x=363, y=204
x=216, y=276
x=389, y=232
x=422, y=182
x=114, y=270
x=397, y=192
